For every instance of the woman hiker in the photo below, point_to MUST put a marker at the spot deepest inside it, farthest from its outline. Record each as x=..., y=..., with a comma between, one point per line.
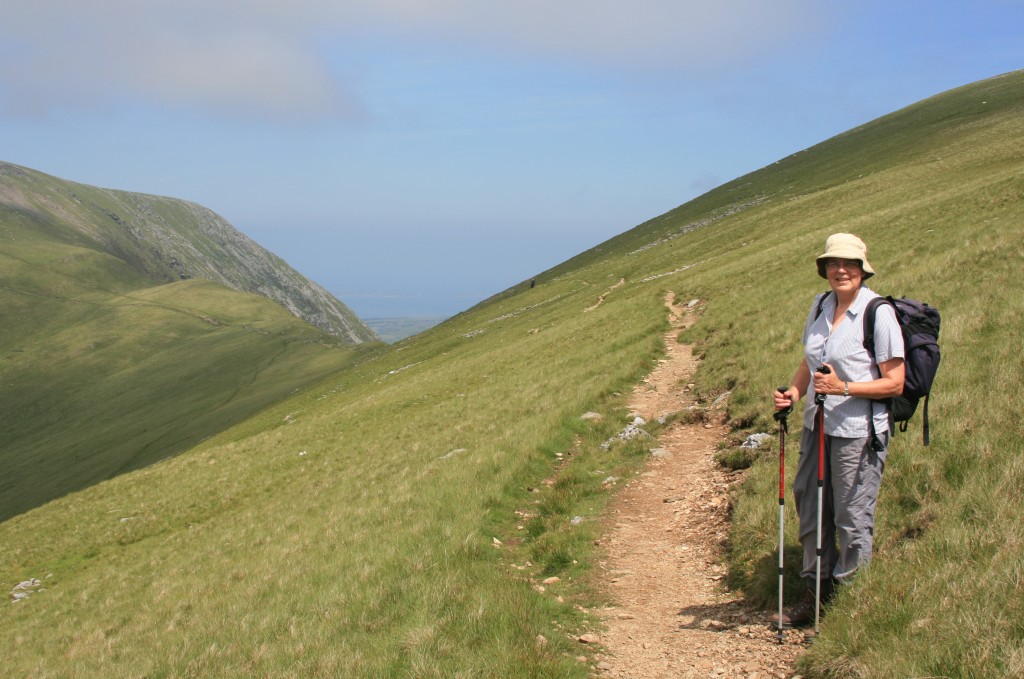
x=855, y=450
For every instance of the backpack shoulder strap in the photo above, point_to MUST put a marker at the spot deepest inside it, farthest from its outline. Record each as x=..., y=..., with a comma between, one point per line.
x=869, y=344
x=869, y=321
x=821, y=304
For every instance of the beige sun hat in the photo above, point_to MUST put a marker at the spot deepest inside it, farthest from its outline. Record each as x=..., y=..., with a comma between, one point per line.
x=845, y=246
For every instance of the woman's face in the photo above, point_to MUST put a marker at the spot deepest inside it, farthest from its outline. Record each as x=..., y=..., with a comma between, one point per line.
x=844, y=275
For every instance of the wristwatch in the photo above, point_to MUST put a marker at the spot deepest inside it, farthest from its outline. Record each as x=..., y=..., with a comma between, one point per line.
x=846, y=388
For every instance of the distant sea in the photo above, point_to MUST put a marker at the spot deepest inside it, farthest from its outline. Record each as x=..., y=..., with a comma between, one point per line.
x=392, y=330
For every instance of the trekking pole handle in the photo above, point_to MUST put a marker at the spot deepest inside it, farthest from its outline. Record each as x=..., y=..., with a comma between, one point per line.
x=781, y=415
x=824, y=370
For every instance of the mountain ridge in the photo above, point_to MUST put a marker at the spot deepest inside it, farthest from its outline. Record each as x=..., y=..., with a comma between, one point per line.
x=166, y=239
x=134, y=326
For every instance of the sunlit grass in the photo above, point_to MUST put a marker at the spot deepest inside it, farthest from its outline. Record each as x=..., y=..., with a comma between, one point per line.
x=396, y=519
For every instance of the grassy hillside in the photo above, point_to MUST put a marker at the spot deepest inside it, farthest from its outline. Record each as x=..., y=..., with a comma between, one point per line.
x=103, y=371
x=394, y=520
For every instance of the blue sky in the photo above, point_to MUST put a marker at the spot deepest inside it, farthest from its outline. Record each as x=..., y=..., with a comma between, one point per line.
x=415, y=157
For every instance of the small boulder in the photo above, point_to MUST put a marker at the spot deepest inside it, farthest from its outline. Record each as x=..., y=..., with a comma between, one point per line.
x=756, y=440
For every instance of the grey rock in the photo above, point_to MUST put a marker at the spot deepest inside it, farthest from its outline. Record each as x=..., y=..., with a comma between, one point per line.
x=756, y=440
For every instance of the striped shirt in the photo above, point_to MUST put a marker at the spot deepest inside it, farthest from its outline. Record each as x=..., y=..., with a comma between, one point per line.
x=847, y=416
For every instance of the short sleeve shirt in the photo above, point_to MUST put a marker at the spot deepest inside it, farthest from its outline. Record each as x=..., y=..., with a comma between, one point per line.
x=847, y=416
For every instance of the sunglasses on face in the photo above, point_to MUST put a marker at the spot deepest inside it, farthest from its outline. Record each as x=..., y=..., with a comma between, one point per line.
x=848, y=264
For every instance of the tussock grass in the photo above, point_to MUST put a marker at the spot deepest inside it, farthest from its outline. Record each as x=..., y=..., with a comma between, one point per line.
x=371, y=554
x=396, y=518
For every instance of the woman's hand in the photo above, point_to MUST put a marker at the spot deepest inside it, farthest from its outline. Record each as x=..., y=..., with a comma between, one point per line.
x=828, y=383
x=888, y=385
x=786, y=399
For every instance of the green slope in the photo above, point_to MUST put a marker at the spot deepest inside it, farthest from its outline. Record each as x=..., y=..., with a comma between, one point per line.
x=392, y=520
x=103, y=371
x=104, y=386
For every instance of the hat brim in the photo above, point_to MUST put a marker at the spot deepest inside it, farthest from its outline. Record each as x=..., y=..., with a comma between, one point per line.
x=841, y=253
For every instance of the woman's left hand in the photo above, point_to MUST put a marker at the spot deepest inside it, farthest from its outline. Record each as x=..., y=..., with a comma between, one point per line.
x=827, y=383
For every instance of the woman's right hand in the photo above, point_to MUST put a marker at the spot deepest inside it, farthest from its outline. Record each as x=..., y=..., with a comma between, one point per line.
x=786, y=399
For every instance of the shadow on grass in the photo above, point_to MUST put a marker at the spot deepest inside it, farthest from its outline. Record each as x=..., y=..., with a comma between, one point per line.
x=761, y=584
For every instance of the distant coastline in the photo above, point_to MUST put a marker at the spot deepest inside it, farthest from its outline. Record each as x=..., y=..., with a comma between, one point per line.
x=392, y=330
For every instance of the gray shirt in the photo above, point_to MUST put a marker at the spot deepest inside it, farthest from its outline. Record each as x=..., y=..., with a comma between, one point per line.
x=847, y=416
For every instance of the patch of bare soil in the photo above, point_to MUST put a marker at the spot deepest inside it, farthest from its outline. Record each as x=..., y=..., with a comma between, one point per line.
x=663, y=560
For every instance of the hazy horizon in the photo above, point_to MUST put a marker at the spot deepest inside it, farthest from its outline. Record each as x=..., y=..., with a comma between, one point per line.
x=416, y=158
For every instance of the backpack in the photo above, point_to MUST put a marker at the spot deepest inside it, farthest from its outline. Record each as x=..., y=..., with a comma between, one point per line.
x=920, y=324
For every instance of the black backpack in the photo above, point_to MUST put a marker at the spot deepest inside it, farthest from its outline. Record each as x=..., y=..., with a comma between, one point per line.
x=920, y=325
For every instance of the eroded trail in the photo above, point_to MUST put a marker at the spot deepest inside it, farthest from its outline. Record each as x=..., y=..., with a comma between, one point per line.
x=663, y=551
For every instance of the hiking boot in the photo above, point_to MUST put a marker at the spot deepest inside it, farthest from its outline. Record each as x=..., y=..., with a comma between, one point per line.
x=802, y=613
x=799, y=615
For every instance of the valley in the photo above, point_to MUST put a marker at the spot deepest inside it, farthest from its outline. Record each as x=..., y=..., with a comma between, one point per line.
x=476, y=500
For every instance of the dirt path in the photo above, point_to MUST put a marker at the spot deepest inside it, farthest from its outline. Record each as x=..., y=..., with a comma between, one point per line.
x=602, y=298
x=663, y=560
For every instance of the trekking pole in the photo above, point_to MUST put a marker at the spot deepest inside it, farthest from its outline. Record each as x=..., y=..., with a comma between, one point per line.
x=819, y=400
x=781, y=417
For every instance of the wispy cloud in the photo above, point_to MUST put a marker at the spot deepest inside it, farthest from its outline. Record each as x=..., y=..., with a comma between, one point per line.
x=665, y=33
x=266, y=58
x=83, y=56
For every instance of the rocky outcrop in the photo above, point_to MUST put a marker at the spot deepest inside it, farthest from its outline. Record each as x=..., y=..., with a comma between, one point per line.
x=216, y=251
x=27, y=588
